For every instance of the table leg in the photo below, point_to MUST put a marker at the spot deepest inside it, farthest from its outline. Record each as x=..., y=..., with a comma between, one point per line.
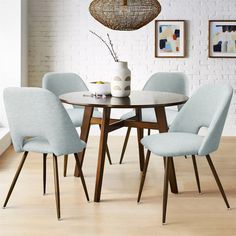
x=88, y=113
x=102, y=152
x=140, y=136
x=163, y=127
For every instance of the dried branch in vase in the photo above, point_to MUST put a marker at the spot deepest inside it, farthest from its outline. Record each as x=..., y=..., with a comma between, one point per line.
x=108, y=45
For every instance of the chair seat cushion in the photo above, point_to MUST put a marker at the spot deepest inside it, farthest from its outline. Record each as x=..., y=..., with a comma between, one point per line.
x=149, y=115
x=37, y=144
x=173, y=144
x=77, y=114
x=41, y=145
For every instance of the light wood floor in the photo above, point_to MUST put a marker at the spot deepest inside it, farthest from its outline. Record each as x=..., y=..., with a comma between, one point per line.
x=29, y=213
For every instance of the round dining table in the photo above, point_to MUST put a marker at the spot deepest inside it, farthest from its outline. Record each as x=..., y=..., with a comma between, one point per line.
x=137, y=100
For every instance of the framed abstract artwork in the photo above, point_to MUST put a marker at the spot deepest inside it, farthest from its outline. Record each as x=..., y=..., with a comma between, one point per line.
x=222, y=39
x=169, y=38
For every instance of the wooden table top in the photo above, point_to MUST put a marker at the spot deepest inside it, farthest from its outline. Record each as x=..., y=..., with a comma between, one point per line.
x=137, y=99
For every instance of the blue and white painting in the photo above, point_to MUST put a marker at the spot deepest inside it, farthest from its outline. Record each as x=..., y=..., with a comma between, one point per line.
x=223, y=39
x=170, y=38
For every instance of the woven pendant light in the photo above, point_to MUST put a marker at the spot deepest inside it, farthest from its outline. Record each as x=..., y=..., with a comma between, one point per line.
x=125, y=15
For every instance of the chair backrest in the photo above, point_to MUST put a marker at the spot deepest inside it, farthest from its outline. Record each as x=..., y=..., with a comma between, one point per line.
x=175, y=82
x=36, y=112
x=60, y=83
x=208, y=107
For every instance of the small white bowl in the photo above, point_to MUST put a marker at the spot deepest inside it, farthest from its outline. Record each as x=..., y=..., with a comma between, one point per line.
x=100, y=89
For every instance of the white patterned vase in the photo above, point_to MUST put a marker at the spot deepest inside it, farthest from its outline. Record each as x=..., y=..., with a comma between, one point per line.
x=121, y=81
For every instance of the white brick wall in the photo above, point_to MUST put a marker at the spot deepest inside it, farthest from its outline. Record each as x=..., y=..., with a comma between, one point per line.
x=59, y=40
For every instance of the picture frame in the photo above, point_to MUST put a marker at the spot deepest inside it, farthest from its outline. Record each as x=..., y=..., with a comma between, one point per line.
x=170, y=38
x=222, y=39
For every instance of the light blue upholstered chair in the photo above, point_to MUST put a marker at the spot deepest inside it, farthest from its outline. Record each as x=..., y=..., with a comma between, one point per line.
x=39, y=123
x=61, y=83
x=174, y=82
x=208, y=108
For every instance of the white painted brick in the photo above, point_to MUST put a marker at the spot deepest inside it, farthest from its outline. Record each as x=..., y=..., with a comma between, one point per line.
x=59, y=40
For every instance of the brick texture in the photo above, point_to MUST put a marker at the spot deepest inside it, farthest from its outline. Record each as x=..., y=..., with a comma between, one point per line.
x=59, y=40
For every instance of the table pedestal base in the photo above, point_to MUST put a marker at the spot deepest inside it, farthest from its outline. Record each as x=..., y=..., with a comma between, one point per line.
x=108, y=125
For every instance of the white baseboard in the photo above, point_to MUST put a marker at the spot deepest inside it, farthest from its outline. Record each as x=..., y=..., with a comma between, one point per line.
x=229, y=132
x=5, y=139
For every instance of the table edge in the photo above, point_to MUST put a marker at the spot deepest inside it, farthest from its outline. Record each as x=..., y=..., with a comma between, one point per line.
x=125, y=106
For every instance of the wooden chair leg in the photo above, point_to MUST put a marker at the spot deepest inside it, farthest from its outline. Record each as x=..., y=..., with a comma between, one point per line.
x=57, y=188
x=148, y=133
x=217, y=180
x=144, y=175
x=196, y=173
x=81, y=175
x=125, y=144
x=109, y=155
x=108, y=152
x=165, y=189
x=44, y=172
x=65, y=165
x=15, y=178
x=138, y=112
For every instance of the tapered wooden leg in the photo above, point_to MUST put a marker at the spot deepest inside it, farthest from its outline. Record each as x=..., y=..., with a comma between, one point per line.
x=65, y=165
x=57, y=188
x=172, y=176
x=144, y=175
x=149, y=133
x=109, y=156
x=165, y=190
x=196, y=173
x=125, y=144
x=102, y=152
x=164, y=161
x=108, y=153
x=140, y=136
x=44, y=172
x=88, y=112
x=163, y=127
x=217, y=180
x=15, y=178
x=81, y=175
